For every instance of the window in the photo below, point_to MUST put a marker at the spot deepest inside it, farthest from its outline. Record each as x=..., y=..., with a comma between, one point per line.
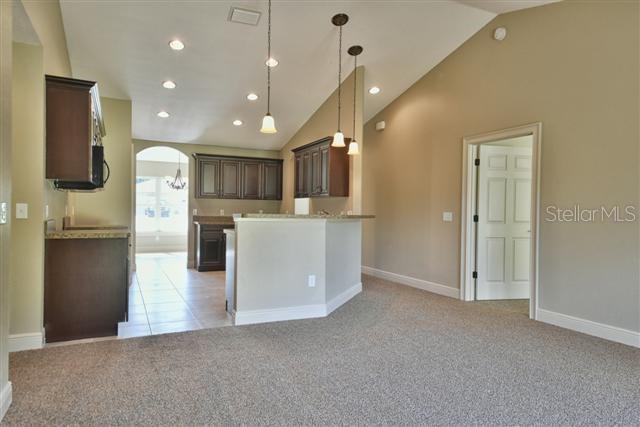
x=159, y=208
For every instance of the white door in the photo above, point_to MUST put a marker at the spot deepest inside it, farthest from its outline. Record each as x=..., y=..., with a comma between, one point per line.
x=504, y=222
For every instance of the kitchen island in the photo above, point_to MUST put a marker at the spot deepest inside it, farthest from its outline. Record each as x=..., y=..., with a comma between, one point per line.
x=293, y=266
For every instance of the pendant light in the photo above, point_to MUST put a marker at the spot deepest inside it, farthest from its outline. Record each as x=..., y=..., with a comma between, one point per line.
x=268, y=123
x=339, y=20
x=354, y=51
x=178, y=183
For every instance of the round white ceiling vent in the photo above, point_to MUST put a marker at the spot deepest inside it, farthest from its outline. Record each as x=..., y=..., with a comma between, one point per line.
x=500, y=33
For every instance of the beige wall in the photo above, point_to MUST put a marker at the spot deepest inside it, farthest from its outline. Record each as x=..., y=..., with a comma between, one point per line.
x=213, y=206
x=321, y=124
x=111, y=206
x=27, y=245
x=46, y=19
x=27, y=242
x=6, y=60
x=572, y=66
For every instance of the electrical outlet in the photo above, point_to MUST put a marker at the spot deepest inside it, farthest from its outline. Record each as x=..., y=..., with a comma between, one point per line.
x=195, y=211
x=22, y=211
x=312, y=281
x=46, y=211
x=447, y=216
x=221, y=212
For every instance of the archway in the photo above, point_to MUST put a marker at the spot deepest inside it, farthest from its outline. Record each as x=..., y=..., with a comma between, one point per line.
x=161, y=209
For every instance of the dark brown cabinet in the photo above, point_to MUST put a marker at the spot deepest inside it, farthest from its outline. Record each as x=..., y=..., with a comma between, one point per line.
x=211, y=247
x=238, y=177
x=74, y=126
x=230, y=179
x=208, y=176
x=272, y=181
x=321, y=170
x=251, y=180
x=85, y=287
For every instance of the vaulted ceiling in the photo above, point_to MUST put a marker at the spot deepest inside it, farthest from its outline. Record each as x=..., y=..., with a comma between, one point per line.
x=124, y=46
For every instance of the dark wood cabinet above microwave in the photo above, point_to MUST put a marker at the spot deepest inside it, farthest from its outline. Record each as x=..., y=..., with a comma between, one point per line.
x=225, y=177
x=74, y=126
x=321, y=170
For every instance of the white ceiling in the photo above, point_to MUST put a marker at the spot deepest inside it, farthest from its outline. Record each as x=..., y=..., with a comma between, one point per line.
x=123, y=46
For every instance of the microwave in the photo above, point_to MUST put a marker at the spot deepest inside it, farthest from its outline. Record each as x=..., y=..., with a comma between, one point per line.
x=98, y=168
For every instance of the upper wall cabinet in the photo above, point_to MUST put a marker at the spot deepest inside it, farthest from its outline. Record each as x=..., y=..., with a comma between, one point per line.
x=74, y=127
x=224, y=177
x=321, y=170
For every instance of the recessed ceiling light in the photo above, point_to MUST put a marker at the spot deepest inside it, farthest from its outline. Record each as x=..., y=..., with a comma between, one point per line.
x=237, y=122
x=272, y=62
x=374, y=90
x=169, y=84
x=252, y=96
x=176, y=44
x=163, y=114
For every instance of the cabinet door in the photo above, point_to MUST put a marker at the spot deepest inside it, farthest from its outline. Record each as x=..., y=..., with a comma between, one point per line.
x=324, y=170
x=316, y=172
x=230, y=179
x=272, y=181
x=300, y=173
x=208, y=179
x=251, y=180
x=308, y=185
x=212, y=250
x=68, y=131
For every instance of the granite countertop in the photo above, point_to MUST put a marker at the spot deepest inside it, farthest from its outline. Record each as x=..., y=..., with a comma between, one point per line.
x=311, y=216
x=204, y=219
x=88, y=234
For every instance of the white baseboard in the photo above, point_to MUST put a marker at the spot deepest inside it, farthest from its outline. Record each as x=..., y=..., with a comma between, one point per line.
x=342, y=298
x=600, y=330
x=250, y=317
x=20, y=342
x=5, y=399
x=436, y=288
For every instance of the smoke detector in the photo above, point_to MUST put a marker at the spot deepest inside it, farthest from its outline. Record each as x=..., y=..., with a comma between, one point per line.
x=500, y=33
x=244, y=16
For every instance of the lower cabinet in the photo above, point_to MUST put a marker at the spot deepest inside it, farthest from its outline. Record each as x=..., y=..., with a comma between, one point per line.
x=85, y=287
x=211, y=247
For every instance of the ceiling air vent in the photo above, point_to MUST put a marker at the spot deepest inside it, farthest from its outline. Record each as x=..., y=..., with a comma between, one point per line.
x=244, y=16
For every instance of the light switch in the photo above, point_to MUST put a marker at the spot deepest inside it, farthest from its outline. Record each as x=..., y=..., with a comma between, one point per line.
x=312, y=281
x=22, y=211
x=46, y=211
x=195, y=211
x=447, y=216
x=4, y=212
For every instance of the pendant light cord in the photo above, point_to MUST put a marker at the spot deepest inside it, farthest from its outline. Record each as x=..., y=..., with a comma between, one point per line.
x=355, y=82
x=268, y=58
x=339, y=74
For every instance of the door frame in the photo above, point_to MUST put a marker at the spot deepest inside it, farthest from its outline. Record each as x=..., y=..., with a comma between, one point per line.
x=470, y=146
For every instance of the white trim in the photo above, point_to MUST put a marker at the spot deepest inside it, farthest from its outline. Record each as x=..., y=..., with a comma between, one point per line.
x=21, y=342
x=250, y=317
x=600, y=330
x=343, y=297
x=6, y=396
x=467, y=290
x=425, y=285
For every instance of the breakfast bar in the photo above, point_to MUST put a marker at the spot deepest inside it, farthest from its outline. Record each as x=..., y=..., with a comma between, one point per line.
x=293, y=266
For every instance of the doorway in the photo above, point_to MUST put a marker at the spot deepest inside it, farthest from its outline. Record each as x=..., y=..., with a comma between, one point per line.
x=500, y=217
x=161, y=210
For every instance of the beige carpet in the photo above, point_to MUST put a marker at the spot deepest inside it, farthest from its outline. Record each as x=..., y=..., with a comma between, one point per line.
x=393, y=355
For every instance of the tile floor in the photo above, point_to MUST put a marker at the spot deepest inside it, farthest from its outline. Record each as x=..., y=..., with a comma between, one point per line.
x=166, y=297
